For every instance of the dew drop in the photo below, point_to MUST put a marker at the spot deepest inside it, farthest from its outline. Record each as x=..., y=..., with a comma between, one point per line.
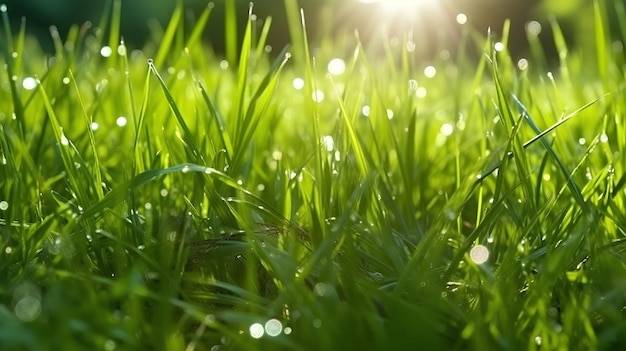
x=121, y=121
x=328, y=142
x=604, y=138
x=336, y=66
x=533, y=28
x=94, y=126
x=273, y=327
x=522, y=64
x=365, y=110
x=446, y=129
x=257, y=330
x=430, y=71
x=4, y=205
x=410, y=46
x=461, y=18
x=298, y=83
x=106, y=51
x=318, y=96
x=479, y=254
x=389, y=114
x=3, y=8
x=29, y=83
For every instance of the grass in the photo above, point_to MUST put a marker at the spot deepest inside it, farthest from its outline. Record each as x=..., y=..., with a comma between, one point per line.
x=169, y=199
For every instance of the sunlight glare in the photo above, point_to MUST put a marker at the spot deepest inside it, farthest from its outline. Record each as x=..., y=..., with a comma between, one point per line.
x=395, y=8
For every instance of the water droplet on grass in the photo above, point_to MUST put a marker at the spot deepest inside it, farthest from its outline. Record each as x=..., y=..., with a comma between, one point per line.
x=522, y=64
x=94, y=126
x=533, y=28
x=29, y=83
x=410, y=46
x=273, y=327
x=479, y=254
x=298, y=83
x=106, y=51
x=461, y=18
x=28, y=308
x=389, y=114
x=257, y=330
x=3, y=8
x=28, y=302
x=430, y=71
x=64, y=140
x=365, y=110
x=604, y=138
x=121, y=49
x=318, y=96
x=121, y=121
x=336, y=66
x=446, y=129
x=4, y=205
x=328, y=142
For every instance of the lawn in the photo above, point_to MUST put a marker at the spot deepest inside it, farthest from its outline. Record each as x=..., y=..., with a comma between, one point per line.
x=343, y=196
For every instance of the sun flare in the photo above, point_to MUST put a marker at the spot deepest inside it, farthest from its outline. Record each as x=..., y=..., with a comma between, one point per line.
x=403, y=13
x=403, y=8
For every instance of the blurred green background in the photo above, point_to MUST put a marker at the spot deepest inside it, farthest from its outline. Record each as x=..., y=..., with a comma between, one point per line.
x=324, y=17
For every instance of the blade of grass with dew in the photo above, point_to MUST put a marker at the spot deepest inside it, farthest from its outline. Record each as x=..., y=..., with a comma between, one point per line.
x=18, y=107
x=239, y=94
x=96, y=169
x=191, y=147
x=256, y=106
x=570, y=181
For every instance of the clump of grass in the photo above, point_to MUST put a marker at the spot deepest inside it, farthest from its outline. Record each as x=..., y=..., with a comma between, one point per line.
x=169, y=199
